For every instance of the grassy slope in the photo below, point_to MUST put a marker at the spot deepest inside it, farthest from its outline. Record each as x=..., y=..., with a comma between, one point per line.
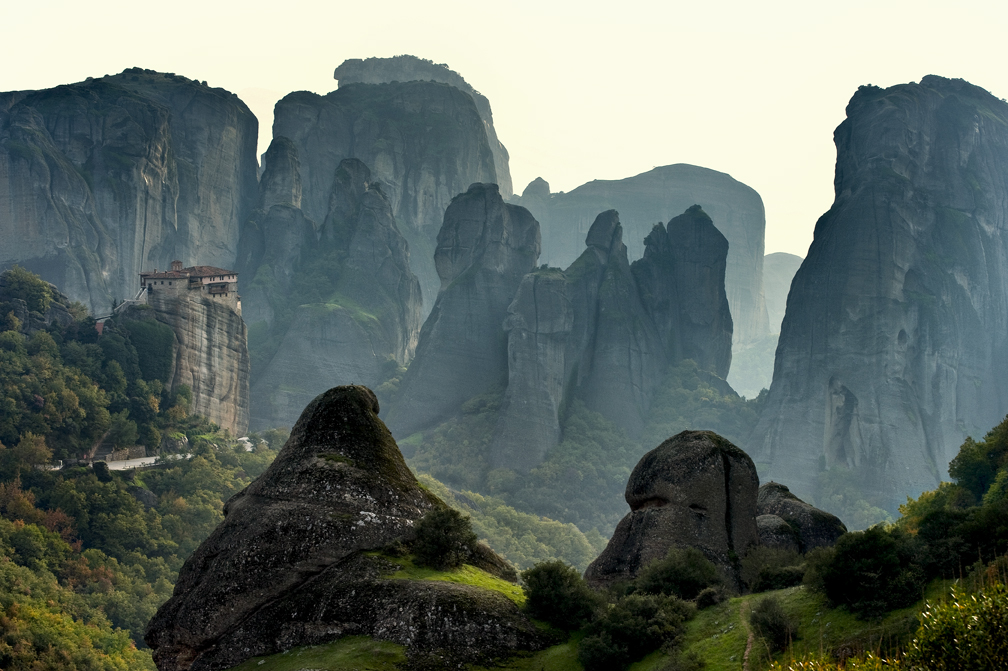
x=465, y=575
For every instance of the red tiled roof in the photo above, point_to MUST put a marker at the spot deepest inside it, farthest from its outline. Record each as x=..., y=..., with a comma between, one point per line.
x=192, y=271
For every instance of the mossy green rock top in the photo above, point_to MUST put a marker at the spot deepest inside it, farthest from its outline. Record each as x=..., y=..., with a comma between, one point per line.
x=288, y=566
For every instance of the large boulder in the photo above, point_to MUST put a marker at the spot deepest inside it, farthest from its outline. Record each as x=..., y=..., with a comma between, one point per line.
x=815, y=528
x=485, y=248
x=774, y=532
x=894, y=347
x=296, y=560
x=694, y=490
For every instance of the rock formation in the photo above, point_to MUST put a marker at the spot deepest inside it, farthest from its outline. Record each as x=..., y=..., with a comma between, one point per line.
x=779, y=269
x=297, y=560
x=694, y=490
x=815, y=528
x=642, y=200
x=210, y=355
x=894, y=347
x=775, y=533
x=423, y=141
x=485, y=248
x=604, y=332
x=106, y=177
x=410, y=68
x=337, y=299
x=682, y=285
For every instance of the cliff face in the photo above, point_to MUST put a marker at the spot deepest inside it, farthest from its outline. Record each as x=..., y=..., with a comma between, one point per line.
x=423, y=141
x=336, y=300
x=682, y=284
x=643, y=200
x=894, y=346
x=485, y=248
x=298, y=559
x=604, y=332
x=106, y=177
x=410, y=68
x=778, y=271
x=211, y=355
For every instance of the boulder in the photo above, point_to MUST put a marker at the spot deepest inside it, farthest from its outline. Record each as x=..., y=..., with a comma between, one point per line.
x=694, y=490
x=297, y=559
x=815, y=528
x=484, y=249
x=774, y=532
x=894, y=346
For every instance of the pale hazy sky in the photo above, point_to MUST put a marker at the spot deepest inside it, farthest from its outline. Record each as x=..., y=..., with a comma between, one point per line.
x=580, y=90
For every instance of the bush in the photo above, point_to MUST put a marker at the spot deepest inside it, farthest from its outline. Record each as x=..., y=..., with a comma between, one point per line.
x=871, y=572
x=772, y=624
x=444, y=539
x=765, y=568
x=683, y=573
x=556, y=593
x=633, y=627
x=967, y=632
x=711, y=596
x=26, y=285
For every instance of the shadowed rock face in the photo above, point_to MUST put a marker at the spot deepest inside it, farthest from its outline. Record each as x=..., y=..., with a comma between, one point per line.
x=410, y=68
x=682, y=285
x=104, y=178
x=485, y=248
x=894, y=347
x=816, y=528
x=656, y=195
x=604, y=332
x=287, y=567
x=373, y=312
x=423, y=141
x=774, y=532
x=694, y=490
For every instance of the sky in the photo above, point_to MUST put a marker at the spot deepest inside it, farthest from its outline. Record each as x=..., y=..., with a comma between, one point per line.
x=580, y=90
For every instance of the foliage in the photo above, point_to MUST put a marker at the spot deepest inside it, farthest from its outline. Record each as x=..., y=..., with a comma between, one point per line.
x=631, y=628
x=350, y=652
x=521, y=538
x=772, y=624
x=154, y=344
x=965, y=632
x=556, y=593
x=766, y=568
x=18, y=283
x=463, y=575
x=683, y=572
x=444, y=539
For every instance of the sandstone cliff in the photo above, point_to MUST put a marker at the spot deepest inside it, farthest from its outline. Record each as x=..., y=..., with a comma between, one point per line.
x=485, y=248
x=330, y=303
x=410, y=68
x=643, y=200
x=424, y=141
x=210, y=355
x=106, y=177
x=894, y=346
x=298, y=559
x=604, y=332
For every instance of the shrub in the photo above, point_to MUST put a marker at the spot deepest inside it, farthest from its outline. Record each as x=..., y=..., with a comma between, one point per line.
x=765, y=568
x=556, y=593
x=871, y=572
x=683, y=573
x=633, y=627
x=444, y=539
x=772, y=624
x=966, y=632
x=711, y=596
x=26, y=285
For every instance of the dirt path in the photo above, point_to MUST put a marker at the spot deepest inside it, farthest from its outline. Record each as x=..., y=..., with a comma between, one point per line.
x=749, y=640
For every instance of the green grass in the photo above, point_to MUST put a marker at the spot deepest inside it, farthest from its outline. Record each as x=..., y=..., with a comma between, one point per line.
x=465, y=575
x=561, y=657
x=359, y=653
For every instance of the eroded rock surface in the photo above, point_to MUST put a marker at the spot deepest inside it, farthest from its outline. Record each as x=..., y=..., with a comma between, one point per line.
x=694, y=490
x=107, y=177
x=289, y=564
x=816, y=528
x=894, y=347
x=653, y=196
x=485, y=248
